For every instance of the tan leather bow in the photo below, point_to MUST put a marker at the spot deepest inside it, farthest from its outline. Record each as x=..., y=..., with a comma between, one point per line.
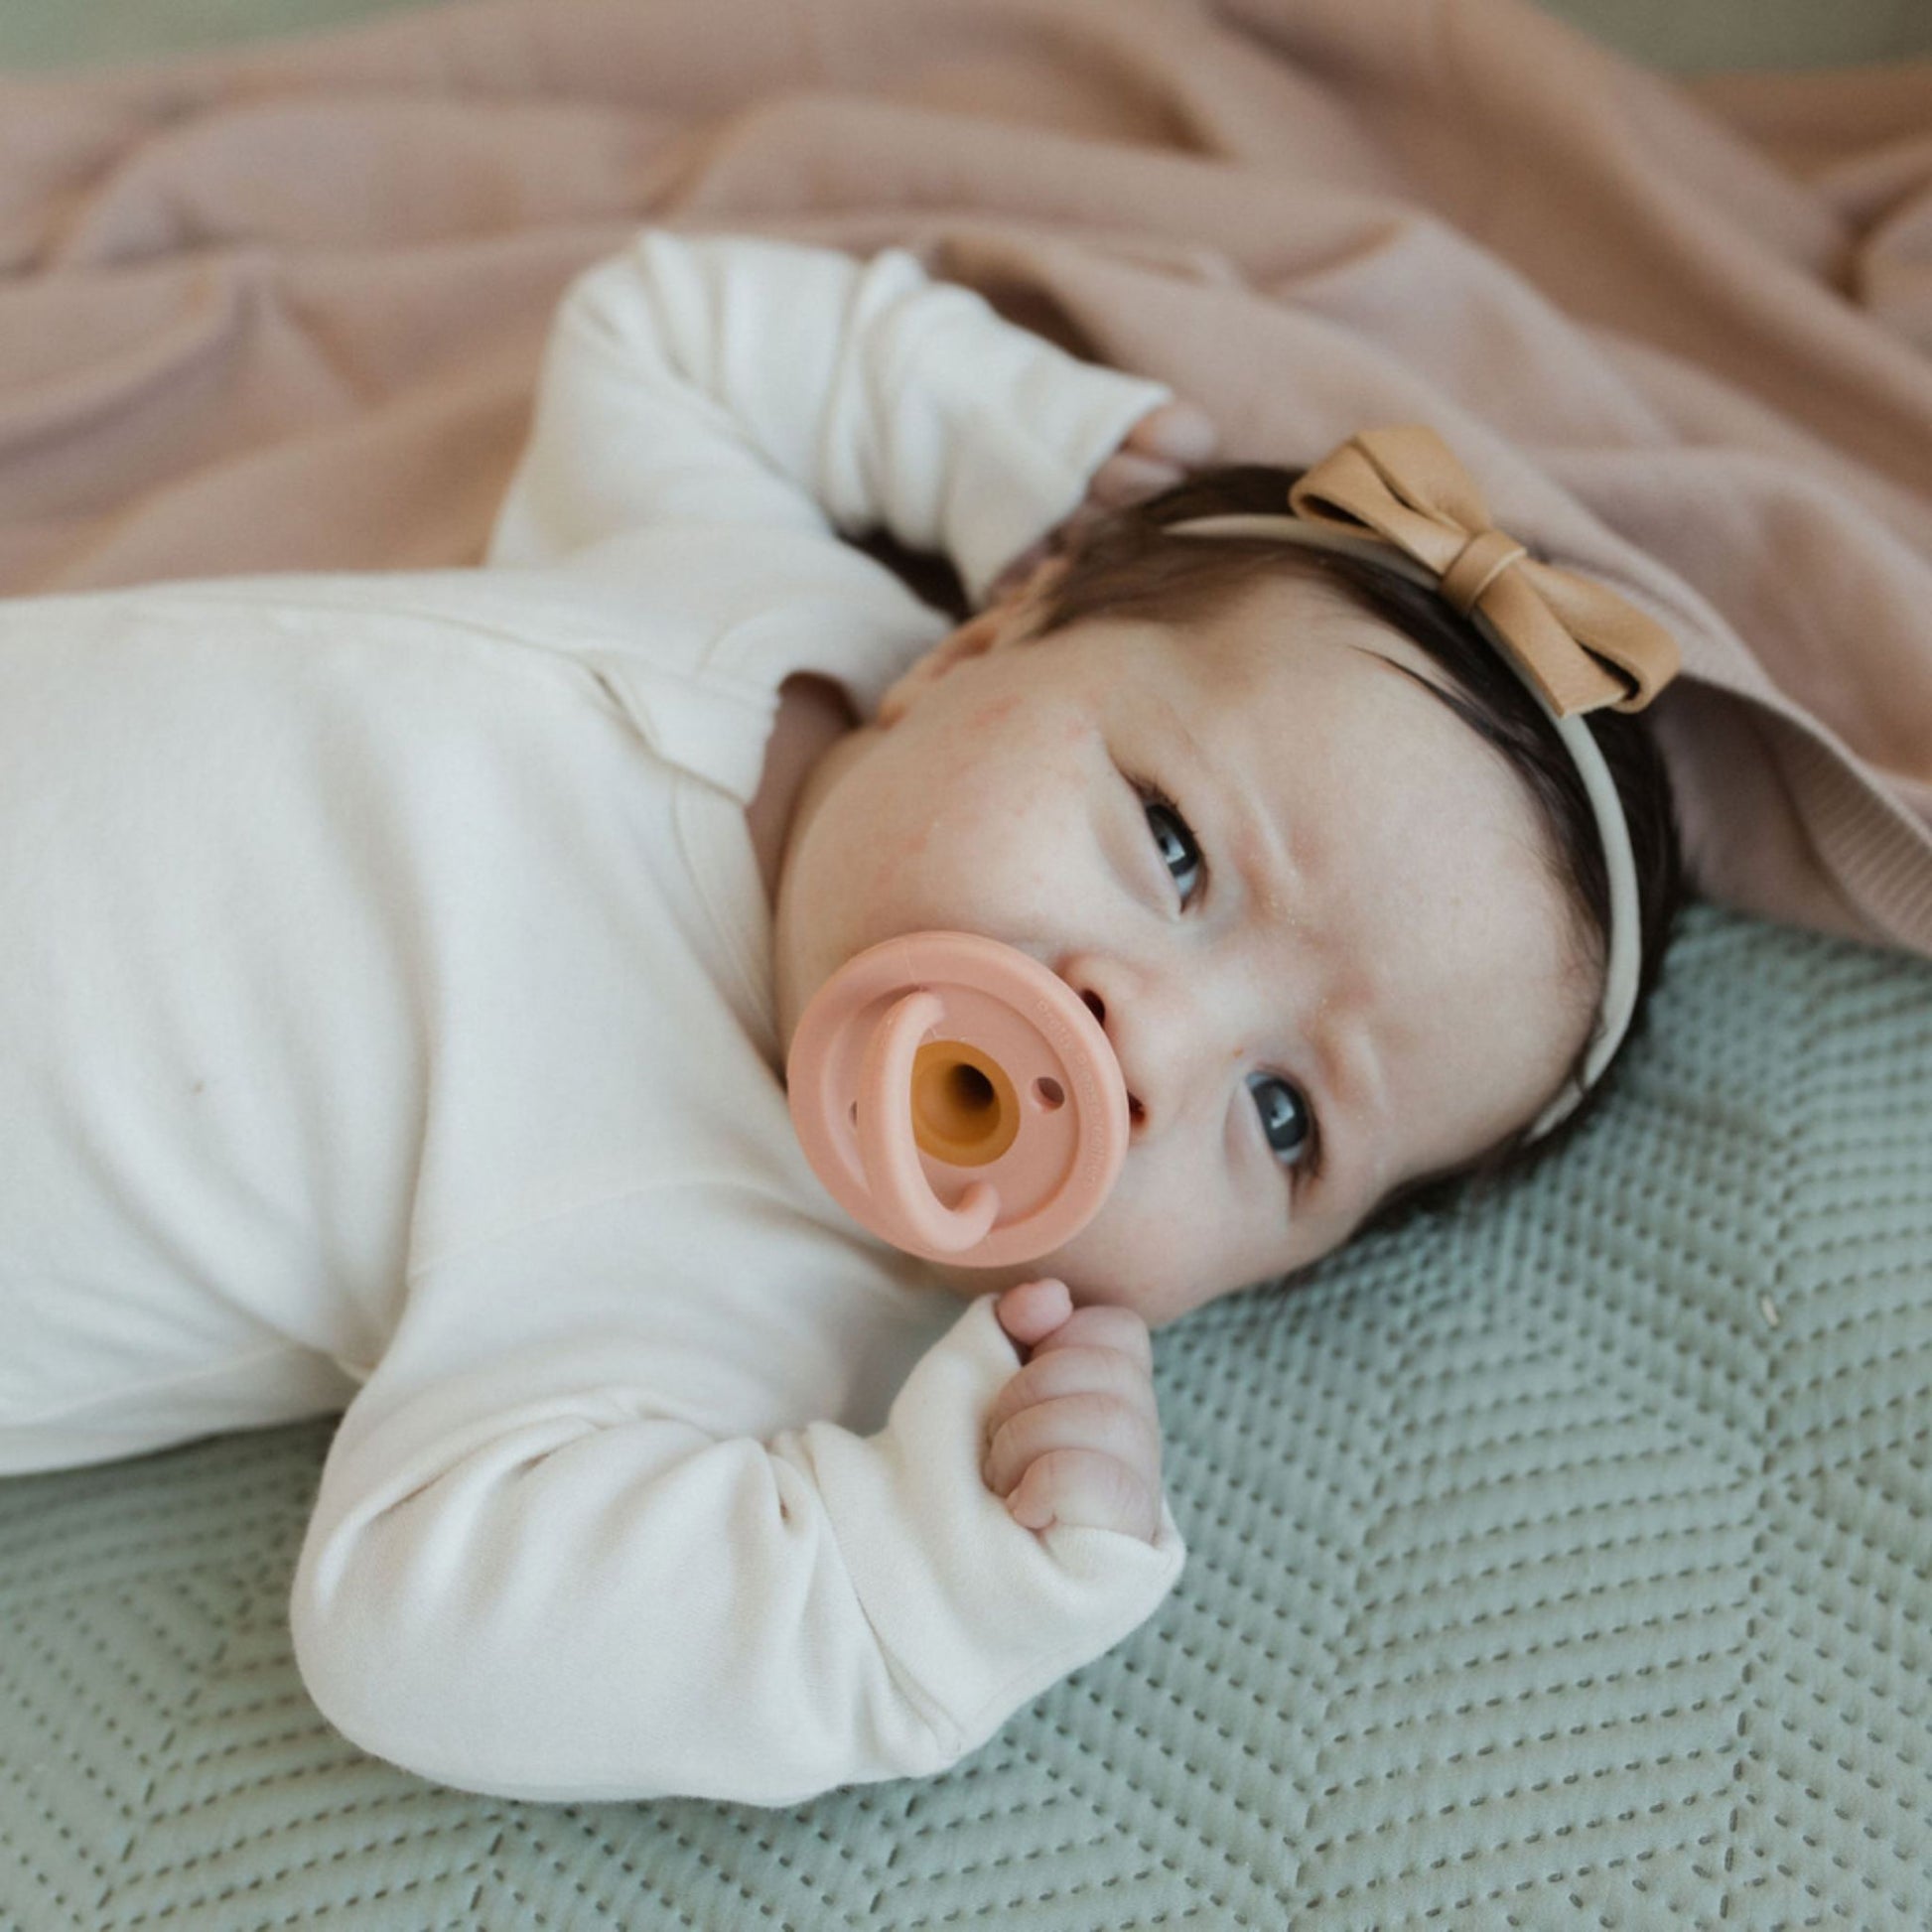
x=1579, y=643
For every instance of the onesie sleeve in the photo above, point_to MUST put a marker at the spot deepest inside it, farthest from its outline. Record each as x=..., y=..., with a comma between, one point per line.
x=564, y=1550
x=730, y=380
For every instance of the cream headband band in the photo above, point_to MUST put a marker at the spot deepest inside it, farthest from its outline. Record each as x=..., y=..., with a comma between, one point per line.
x=1397, y=498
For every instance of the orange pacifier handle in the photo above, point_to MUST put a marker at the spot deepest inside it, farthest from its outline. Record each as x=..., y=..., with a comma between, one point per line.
x=958, y=1100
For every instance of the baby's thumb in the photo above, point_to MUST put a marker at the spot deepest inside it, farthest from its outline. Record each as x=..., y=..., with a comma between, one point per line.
x=1032, y=1311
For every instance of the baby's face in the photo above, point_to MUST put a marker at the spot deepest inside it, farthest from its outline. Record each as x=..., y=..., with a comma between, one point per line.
x=1342, y=961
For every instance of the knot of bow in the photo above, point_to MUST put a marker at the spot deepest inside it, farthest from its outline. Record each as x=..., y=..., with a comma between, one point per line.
x=1580, y=643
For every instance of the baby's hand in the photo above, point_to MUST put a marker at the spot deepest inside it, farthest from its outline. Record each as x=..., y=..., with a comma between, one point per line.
x=1076, y=1435
x=1159, y=452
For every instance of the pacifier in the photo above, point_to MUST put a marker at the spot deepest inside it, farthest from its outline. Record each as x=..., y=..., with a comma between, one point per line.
x=958, y=1100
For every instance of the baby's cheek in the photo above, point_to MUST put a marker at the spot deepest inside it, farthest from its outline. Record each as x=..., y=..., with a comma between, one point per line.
x=1134, y=1251
x=992, y=841
x=995, y=713
x=1164, y=1246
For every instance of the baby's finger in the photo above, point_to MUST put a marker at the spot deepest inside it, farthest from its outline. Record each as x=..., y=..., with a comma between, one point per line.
x=1179, y=432
x=1087, y=1487
x=1089, y=1420
x=1033, y=1309
x=1100, y=1325
x=1063, y=1372
x=1123, y=478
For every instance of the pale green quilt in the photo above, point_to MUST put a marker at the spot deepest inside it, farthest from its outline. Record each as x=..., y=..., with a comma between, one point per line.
x=1567, y=1561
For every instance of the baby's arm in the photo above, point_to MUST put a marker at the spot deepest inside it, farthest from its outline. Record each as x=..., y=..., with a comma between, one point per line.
x=729, y=380
x=567, y=1546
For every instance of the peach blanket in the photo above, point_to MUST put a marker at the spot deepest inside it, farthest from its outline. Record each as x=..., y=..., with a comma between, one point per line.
x=282, y=308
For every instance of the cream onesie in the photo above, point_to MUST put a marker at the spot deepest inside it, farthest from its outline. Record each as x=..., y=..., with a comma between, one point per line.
x=388, y=1022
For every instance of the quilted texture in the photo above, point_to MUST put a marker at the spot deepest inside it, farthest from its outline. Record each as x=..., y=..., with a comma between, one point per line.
x=1566, y=1561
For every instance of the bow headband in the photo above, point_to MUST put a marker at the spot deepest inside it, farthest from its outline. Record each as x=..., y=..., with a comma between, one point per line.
x=1398, y=498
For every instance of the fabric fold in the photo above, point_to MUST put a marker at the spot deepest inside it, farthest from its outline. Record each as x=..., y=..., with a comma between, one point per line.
x=1681, y=331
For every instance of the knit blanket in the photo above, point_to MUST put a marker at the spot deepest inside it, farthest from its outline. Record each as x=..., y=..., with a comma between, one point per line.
x=282, y=308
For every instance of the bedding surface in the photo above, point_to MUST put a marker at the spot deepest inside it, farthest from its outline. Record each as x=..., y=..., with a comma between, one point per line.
x=1561, y=1562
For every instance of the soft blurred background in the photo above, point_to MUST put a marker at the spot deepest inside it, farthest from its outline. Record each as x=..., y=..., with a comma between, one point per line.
x=1684, y=36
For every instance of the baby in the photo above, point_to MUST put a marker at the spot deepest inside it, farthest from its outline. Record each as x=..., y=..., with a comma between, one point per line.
x=402, y=970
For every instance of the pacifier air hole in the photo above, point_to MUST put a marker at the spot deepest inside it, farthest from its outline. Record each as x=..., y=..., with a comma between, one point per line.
x=1048, y=1093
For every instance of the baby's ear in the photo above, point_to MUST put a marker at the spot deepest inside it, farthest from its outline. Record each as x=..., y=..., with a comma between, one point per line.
x=1011, y=613
x=971, y=639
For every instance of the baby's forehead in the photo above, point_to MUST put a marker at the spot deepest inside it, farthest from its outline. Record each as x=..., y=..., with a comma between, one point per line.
x=1278, y=639
x=1282, y=635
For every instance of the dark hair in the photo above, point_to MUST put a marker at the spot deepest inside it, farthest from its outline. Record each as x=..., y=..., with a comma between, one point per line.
x=1124, y=565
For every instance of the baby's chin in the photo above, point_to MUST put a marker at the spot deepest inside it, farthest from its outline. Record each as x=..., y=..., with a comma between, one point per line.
x=971, y=1282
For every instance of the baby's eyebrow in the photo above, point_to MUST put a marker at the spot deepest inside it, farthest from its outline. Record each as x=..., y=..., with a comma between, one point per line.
x=1463, y=710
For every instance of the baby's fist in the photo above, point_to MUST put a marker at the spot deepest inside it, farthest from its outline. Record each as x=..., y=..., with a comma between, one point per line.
x=1076, y=1435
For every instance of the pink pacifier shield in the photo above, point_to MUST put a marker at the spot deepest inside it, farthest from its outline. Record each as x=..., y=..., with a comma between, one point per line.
x=958, y=1100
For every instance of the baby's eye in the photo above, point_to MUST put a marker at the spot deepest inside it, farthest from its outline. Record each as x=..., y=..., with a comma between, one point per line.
x=1171, y=835
x=1285, y=1116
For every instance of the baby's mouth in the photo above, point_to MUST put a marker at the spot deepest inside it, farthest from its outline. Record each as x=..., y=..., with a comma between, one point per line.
x=1097, y=1008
